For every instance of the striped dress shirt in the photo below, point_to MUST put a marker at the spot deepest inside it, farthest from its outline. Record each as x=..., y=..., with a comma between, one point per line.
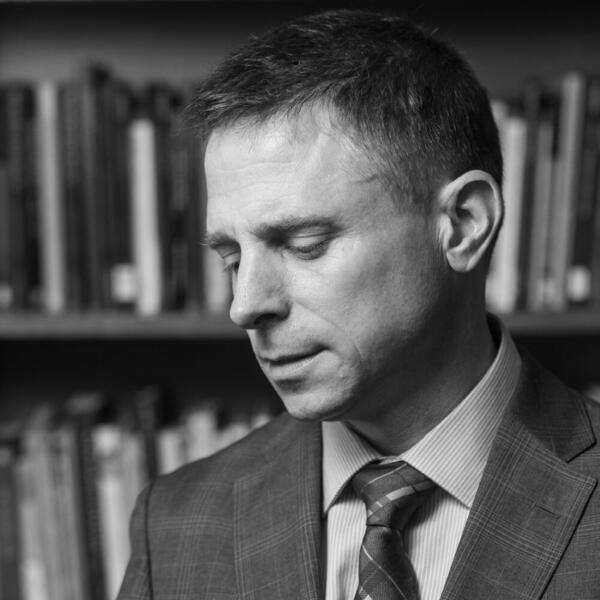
x=453, y=454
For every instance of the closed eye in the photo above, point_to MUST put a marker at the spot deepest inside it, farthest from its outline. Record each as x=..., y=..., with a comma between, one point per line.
x=308, y=250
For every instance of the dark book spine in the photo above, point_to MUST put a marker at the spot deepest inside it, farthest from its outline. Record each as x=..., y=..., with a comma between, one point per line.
x=118, y=230
x=179, y=250
x=83, y=421
x=6, y=285
x=72, y=180
x=581, y=285
x=147, y=404
x=33, y=279
x=9, y=534
x=195, y=222
x=532, y=97
x=19, y=104
x=95, y=184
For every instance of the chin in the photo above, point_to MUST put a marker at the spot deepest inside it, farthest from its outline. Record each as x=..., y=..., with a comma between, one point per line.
x=316, y=406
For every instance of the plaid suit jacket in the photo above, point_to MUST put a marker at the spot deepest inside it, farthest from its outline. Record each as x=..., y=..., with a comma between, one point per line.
x=246, y=523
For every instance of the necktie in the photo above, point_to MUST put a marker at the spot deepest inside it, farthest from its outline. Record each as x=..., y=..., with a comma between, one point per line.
x=391, y=493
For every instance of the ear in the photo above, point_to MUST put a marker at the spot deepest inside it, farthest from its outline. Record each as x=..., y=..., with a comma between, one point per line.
x=470, y=216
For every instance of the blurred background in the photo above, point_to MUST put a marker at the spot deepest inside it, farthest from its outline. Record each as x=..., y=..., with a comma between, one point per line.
x=117, y=359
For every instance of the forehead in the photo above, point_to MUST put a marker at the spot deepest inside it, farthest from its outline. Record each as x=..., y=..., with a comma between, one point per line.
x=285, y=164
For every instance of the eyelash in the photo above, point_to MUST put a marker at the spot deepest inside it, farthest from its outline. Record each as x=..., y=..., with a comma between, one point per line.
x=307, y=252
x=310, y=251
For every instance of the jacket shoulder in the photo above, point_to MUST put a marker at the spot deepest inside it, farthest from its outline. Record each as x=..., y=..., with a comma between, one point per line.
x=215, y=474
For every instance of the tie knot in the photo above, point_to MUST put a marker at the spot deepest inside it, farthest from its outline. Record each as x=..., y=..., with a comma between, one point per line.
x=391, y=492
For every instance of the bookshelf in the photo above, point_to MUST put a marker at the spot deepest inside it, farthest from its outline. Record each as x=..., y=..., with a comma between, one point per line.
x=46, y=358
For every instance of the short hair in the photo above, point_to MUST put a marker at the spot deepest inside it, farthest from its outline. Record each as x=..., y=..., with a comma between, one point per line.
x=412, y=101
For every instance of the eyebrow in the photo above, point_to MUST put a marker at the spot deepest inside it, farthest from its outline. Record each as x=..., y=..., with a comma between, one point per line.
x=282, y=227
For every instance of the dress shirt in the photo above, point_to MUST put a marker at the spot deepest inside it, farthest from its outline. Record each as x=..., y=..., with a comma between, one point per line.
x=453, y=455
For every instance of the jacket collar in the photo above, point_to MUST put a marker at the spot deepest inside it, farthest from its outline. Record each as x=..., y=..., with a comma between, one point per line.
x=530, y=498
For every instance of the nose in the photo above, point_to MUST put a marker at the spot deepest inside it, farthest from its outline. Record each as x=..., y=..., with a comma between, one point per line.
x=259, y=292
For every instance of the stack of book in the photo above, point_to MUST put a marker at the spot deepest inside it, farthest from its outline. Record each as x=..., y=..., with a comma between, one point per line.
x=102, y=199
x=548, y=253
x=70, y=476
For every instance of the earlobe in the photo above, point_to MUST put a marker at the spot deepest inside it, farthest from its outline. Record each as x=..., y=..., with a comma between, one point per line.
x=471, y=213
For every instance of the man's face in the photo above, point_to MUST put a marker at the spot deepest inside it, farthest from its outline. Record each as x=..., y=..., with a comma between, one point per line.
x=339, y=289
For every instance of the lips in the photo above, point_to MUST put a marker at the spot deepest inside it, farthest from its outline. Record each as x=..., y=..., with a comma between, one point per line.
x=293, y=365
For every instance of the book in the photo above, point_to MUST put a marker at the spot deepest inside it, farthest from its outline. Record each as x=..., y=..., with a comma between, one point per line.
x=579, y=280
x=70, y=544
x=23, y=214
x=119, y=248
x=6, y=283
x=71, y=150
x=33, y=573
x=36, y=445
x=533, y=93
x=84, y=411
x=112, y=502
x=51, y=200
x=540, y=230
x=503, y=291
x=201, y=429
x=571, y=121
x=9, y=548
x=146, y=231
x=97, y=178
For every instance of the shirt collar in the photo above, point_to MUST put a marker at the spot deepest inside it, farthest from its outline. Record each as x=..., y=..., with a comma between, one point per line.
x=454, y=453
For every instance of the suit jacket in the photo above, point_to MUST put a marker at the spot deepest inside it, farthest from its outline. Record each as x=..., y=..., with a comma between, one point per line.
x=247, y=522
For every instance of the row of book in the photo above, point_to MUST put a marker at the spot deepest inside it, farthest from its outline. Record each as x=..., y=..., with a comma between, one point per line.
x=102, y=199
x=69, y=478
x=548, y=253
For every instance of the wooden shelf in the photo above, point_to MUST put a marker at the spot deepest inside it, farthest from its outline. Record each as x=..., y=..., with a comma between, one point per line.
x=118, y=327
x=201, y=326
x=571, y=323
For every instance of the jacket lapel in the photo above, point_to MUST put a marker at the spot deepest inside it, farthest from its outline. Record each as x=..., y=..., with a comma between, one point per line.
x=278, y=520
x=529, y=500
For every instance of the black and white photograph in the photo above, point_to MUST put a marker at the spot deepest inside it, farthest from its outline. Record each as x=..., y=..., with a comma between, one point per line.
x=299, y=300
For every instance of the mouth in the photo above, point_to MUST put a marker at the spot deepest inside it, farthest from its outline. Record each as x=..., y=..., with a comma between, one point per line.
x=285, y=365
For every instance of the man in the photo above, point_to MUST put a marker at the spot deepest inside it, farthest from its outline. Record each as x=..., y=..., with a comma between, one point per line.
x=353, y=173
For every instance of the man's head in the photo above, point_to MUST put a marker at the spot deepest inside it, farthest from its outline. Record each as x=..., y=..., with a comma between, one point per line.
x=347, y=196
x=410, y=101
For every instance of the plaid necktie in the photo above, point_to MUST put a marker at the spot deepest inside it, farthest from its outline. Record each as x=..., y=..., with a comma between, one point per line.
x=391, y=493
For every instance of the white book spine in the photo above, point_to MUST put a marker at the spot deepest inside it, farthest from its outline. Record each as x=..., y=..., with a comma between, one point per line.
x=51, y=200
x=506, y=267
x=171, y=453
x=145, y=234
x=111, y=501
x=33, y=572
x=201, y=432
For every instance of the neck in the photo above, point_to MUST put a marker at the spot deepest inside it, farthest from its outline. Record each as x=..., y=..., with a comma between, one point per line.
x=444, y=383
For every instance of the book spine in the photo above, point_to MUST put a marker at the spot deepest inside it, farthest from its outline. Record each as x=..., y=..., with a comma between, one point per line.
x=579, y=281
x=146, y=233
x=51, y=201
x=114, y=516
x=506, y=268
x=542, y=210
x=6, y=283
x=573, y=94
x=95, y=185
x=9, y=548
x=77, y=275
x=83, y=412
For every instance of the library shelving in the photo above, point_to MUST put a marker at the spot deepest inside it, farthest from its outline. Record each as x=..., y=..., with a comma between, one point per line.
x=47, y=358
